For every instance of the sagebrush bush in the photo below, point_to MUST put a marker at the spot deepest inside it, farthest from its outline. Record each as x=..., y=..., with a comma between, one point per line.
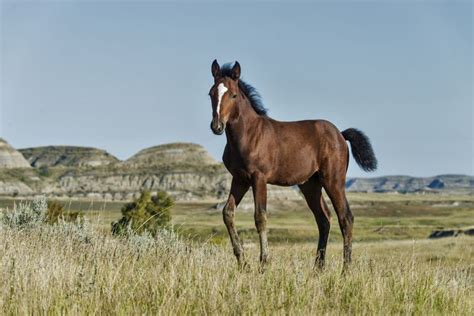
x=38, y=212
x=25, y=215
x=148, y=213
x=80, y=231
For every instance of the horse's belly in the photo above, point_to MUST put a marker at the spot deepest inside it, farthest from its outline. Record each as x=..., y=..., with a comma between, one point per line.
x=291, y=179
x=286, y=170
x=293, y=173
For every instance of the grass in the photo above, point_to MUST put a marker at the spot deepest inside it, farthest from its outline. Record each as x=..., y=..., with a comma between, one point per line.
x=58, y=271
x=64, y=269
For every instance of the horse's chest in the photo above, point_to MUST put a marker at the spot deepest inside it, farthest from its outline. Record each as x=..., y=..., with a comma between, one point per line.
x=238, y=168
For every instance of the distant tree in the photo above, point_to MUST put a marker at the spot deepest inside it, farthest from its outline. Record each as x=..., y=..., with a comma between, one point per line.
x=146, y=213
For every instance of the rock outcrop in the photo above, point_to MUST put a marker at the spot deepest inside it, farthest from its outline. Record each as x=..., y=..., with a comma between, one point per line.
x=184, y=170
x=443, y=233
x=124, y=183
x=10, y=157
x=403, y=184
x=67, y=156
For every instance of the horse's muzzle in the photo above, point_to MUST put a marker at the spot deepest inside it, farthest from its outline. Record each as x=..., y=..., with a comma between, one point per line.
x=217, y=127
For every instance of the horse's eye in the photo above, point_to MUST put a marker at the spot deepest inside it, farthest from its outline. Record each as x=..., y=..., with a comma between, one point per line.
x=234, y=96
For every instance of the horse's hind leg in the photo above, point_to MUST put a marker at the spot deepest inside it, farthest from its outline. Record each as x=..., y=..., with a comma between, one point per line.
x=312, y=191
x=259, y=187
x=335, y=188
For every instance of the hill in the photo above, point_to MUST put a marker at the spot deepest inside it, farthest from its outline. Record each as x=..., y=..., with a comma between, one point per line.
x=185, y=170
x=67, y=156
x=402, y=184
x=10, y=157
x=172, y=154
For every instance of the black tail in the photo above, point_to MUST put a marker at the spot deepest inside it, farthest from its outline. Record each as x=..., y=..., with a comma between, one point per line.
x=361, y=149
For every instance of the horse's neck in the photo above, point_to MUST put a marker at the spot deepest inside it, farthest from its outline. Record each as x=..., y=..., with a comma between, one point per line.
x=244, y=128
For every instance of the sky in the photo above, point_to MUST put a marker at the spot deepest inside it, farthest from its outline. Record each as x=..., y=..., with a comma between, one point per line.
x=126, y=75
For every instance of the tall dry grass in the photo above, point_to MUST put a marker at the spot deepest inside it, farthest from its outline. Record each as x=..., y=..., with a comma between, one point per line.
x=73, y=269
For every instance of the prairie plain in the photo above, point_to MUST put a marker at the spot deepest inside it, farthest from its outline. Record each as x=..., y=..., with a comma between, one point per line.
x=396, y=268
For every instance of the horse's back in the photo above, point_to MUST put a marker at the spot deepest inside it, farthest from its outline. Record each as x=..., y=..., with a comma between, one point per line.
x=315, y=133
x=303, y=148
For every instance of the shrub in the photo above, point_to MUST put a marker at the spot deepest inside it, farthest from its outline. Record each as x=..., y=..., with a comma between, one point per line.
x=39, y=211
x=25, y=215
x=56, y=212
x=145, y=214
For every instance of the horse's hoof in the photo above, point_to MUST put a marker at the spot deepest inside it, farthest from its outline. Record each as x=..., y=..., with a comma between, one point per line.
x=263, y=265
x=319, y=266
x=345, y=269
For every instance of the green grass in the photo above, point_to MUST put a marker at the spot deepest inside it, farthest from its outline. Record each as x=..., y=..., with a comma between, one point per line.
x=377, y=217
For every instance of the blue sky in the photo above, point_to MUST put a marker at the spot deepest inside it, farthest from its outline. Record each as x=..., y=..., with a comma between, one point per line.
x=127, y=75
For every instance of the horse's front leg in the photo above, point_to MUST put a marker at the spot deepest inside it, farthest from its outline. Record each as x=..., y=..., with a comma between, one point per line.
x=259, y=186
x=237, y=192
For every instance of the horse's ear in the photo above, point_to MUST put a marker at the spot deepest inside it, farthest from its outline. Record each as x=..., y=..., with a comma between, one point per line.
x=216, y=69
x=236, y=71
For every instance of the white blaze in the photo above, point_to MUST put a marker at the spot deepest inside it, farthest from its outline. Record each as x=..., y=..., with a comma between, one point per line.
x=221, y=90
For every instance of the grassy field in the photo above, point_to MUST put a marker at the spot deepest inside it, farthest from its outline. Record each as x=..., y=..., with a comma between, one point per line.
x=377, y=217
x=396, y=269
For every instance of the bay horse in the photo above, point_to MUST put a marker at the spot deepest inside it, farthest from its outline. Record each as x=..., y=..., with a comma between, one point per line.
x=312, y=154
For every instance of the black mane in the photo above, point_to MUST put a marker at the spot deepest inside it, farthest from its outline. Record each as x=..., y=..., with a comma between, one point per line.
x=250, y=92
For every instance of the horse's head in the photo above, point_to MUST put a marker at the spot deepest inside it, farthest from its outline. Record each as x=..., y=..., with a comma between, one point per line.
x=225, y=95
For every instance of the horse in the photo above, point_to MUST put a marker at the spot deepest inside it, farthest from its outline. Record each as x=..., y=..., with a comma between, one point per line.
x=310, y=154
